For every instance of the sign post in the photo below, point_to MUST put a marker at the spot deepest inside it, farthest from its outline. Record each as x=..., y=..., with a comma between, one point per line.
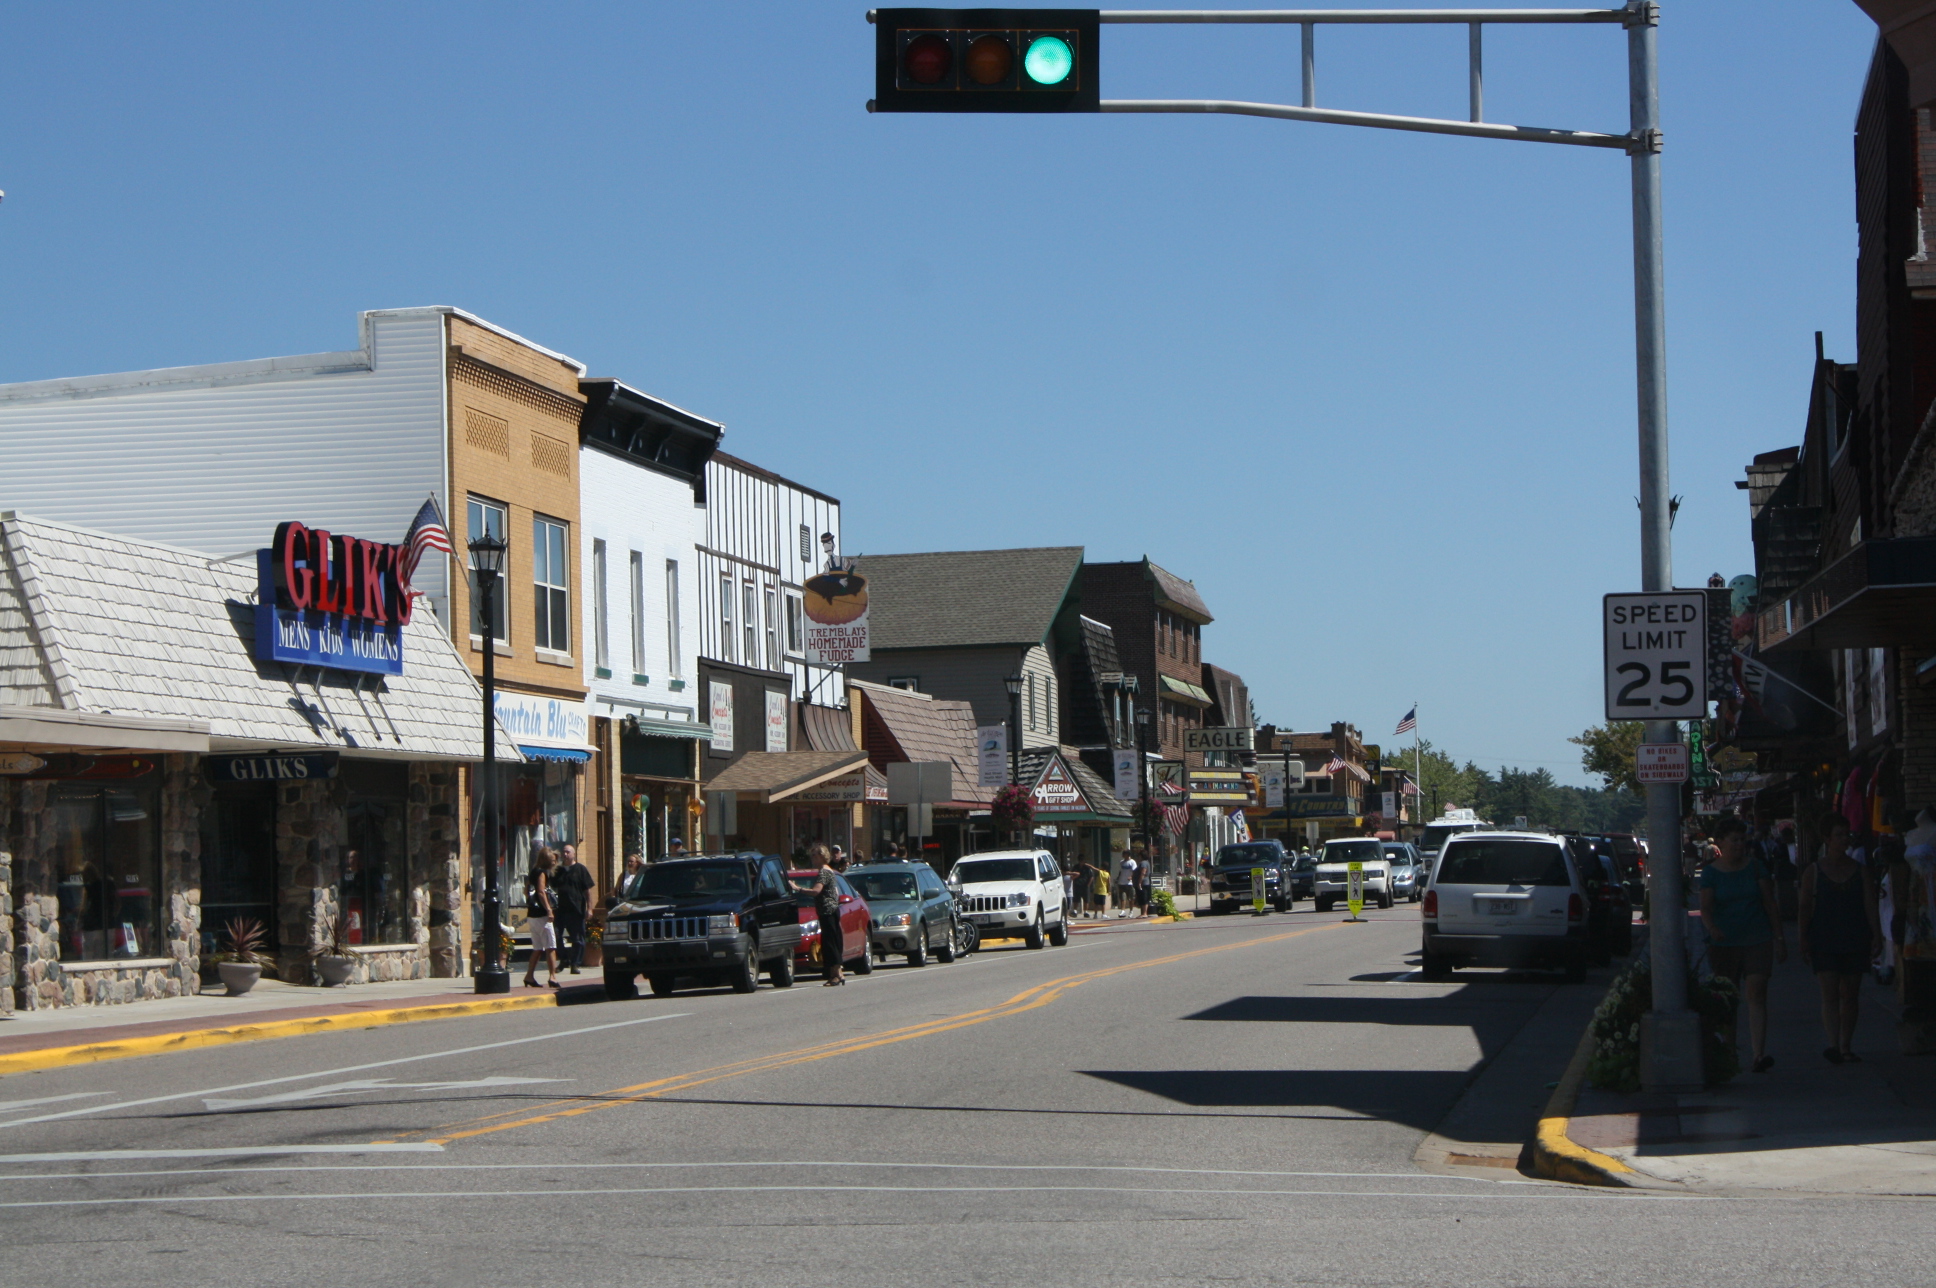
x=1656, y=656
x=1354, y=889
x=1257, y=892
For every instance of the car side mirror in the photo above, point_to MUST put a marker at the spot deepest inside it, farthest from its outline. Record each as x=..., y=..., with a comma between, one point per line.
x=846, y=898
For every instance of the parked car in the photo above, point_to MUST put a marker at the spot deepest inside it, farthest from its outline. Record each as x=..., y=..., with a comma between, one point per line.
x=1407, y=870
x=1609, y=906
x=1630, y=857
x=1013, y=894
x=1333, y=874
x=1507, y=899
x=913, y=913
x=856, y=923
x=721, y=917
x=1230, y=887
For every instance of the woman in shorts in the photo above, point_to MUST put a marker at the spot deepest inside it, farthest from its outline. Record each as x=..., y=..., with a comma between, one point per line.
x=1839, y=930
x=1743, y=924
x=539, y=909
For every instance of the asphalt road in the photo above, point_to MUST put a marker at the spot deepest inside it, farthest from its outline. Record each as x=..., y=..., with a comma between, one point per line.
x=1226, y=1100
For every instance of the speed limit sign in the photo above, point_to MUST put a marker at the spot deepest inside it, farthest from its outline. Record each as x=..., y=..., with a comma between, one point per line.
x=1656, y=656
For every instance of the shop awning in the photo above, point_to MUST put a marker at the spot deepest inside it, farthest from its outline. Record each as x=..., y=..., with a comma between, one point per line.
x=1883, y=592
x=1184, y=691
x=774, y=776
x=827, y=728
x=55, y=727
x=572, y=755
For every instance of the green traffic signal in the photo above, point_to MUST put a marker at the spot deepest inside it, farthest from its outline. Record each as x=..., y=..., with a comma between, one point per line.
x=1048, y=60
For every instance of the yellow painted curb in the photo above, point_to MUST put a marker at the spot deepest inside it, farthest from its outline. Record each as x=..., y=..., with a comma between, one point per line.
x=1557, y=1156
x=190, y=1039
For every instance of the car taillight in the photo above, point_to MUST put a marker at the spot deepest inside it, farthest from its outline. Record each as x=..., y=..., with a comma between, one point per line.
x=1430, y=908
x=1575, y=908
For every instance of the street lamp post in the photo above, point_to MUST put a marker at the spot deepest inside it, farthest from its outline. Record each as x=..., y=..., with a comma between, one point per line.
x=1014, y=683
x=487, y=558
x=1143, y=778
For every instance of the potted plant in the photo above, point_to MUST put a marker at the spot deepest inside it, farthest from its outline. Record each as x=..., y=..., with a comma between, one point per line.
x=1013, y=810
x=595, y=941
x=333, y=960
x=241, y=966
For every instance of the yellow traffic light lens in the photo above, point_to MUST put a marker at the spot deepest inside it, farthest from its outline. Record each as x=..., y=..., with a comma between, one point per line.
x=989, y=59
x=1048, y=61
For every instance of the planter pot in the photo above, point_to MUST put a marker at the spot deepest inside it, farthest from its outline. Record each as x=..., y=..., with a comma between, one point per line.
x=594, y=954
x=335, y=971
x=239, y=976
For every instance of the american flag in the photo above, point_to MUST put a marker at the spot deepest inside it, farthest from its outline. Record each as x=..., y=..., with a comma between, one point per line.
x=427, y=532
x=1178, y=818
x=1409, y=787
x=1409, y=723
x=1337, y=763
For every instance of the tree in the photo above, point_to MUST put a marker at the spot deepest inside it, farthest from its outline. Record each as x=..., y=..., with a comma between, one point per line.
x=1609, y=752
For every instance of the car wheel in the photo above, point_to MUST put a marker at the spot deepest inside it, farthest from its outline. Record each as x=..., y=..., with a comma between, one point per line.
x=1033, y=938
x=1435, y=965
x=1324, y=903
x=918, y=952
x=621, y=986
x=946, y=953
x=865, y=964
x=1282, y=905
x=1385, y=899
x=745, y=974
x=662, y=985
x=970, y=935
x=1059, y=932
x=779, y=972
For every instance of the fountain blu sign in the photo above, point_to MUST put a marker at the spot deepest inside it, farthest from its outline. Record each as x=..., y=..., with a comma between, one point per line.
x=543, y=722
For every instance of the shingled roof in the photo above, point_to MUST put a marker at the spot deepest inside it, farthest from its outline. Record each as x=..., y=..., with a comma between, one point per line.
x=1178, y=595
x=965, y=598
x=900, y=724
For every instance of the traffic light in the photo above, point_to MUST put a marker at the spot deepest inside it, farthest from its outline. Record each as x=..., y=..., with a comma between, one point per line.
x=984, y=60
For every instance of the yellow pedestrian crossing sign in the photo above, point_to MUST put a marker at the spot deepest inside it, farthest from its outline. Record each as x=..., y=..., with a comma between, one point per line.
x=1354, y=887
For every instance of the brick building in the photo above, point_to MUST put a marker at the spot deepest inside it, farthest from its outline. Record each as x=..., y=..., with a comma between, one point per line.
x=1157, y=619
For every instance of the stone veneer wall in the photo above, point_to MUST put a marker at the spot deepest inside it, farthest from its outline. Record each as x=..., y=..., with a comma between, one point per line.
x=38, y=978
x=309, y=841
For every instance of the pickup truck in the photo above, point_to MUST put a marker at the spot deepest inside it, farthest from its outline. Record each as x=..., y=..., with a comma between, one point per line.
x=714, y=918
x=1230, y=878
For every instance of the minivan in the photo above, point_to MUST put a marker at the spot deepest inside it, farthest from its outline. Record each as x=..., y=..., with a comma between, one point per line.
x=1507, y=899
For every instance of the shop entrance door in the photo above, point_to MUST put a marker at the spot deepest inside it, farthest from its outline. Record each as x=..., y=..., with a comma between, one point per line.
x=239, y=863
x=375, y=882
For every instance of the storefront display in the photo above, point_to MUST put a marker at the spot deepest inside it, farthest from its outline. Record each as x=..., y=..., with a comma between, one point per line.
x=106, y=841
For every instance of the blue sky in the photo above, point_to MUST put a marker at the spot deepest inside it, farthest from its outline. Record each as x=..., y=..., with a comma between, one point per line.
x=1372, y=391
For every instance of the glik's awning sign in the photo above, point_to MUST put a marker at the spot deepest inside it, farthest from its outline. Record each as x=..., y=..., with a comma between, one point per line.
x=331, y=601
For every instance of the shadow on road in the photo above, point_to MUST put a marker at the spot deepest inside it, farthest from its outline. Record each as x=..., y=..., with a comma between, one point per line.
x=1414, y=1097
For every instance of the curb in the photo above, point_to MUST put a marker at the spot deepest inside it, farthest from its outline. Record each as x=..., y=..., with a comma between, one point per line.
x=1555, y=1155
x=190, y=1039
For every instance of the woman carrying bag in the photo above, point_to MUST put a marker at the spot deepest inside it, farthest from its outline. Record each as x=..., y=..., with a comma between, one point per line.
x=539, y=910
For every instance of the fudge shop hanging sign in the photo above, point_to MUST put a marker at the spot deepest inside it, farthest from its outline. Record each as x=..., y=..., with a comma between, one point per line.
x=331, y=601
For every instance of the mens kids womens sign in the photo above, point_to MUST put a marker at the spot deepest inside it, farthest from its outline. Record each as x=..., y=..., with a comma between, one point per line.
x=325, y=600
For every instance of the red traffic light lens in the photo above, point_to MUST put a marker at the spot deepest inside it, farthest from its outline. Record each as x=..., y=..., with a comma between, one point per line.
x=990, y=59
x=927, y=60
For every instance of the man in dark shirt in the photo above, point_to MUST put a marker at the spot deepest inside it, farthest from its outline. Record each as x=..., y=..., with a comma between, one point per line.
x=571, y=887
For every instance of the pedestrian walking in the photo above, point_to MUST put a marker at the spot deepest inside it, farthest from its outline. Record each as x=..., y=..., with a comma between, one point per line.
x=1085, y=880
x=1143, y=886
x=1098, y=889
x=1839, y=929
x=1743, y=925
x=571, y=896
x=1125, y=885
x=538, y=909
x=826, y=903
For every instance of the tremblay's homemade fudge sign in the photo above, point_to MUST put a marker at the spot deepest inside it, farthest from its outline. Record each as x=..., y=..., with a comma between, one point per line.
x=332, y=601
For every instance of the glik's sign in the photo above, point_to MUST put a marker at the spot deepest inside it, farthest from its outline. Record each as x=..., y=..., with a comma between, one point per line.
x=331, y=601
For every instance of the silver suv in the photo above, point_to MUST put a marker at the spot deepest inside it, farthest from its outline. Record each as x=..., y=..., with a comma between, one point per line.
x=1505, y=899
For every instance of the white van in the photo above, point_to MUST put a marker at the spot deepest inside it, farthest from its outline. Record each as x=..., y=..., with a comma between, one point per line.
x=1506, y=899
x=1454, y=822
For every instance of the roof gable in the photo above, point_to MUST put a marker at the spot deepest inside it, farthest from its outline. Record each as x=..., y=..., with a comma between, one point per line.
x=968, y=598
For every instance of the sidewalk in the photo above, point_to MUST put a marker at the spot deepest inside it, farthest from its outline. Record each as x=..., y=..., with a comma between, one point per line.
x=1804, y=1126
x=89, y=1034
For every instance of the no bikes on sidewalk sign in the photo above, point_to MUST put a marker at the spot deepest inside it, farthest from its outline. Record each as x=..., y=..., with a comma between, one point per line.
x=1656, y=656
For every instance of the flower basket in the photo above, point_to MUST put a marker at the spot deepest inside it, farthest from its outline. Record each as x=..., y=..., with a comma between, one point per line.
x=1013, y=809
x=1615, y=1064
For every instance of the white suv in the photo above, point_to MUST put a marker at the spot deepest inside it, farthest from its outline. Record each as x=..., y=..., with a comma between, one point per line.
x=1012, y=894
x=1334, y=876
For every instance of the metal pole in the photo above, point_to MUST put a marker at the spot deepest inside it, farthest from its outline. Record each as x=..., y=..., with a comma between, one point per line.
x=1476, y=81
x=1310, y=65
x=1671, y=1038
x=492, y=976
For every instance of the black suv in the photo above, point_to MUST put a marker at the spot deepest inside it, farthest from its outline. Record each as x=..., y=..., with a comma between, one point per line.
x=716, y=918
x=1230, y=878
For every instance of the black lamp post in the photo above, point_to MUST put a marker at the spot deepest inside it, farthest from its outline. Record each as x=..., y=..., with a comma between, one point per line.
x=487, y=559
x=1014, y=683
x=1143, y=777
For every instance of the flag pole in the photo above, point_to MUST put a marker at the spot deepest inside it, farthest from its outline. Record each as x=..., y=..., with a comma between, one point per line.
x=1418, y=758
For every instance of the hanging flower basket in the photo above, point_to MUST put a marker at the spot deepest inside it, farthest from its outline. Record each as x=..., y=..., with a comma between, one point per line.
x=1013, y=809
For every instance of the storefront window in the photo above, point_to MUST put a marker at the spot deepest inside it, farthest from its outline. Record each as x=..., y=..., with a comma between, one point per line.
x=541, y=809
x=238, y=862
x=108, y=839
x=374, y=877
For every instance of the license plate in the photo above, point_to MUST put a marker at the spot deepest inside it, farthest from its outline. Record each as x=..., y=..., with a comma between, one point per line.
x=1503, y=907
x=988, y=919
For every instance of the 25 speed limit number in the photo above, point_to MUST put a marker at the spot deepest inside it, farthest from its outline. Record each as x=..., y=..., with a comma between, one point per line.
x=1656, y=656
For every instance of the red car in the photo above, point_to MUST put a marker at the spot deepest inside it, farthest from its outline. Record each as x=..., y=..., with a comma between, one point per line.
x=856, y=923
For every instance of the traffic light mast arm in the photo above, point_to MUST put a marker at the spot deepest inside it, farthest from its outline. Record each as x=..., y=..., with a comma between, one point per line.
x=1309, y=19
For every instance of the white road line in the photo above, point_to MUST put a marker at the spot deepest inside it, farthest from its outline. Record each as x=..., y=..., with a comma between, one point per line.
x=364, y=1087
x=10, y=1106
x=241, y=1151
x=573, y=1166
x=1556, y=1194
x=330, y=1073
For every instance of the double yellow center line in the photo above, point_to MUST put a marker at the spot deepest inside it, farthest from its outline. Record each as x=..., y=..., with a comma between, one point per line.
x=1027, y=1000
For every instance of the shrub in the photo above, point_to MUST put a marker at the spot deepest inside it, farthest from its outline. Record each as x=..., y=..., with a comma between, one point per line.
x=1165, y=903
x=1615, y=1065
